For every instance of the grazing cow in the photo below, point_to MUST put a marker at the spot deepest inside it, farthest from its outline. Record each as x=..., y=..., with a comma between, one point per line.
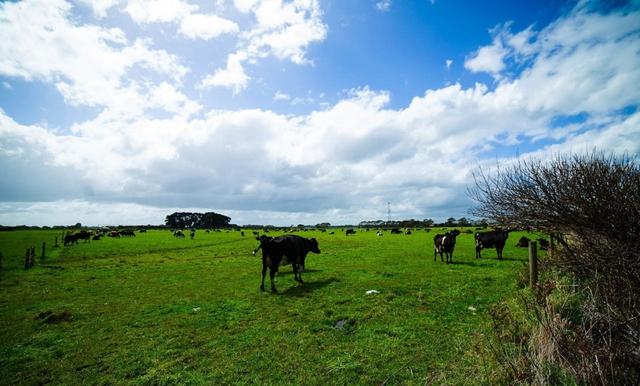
x=128, y=233
x=242, y=233
x=83, y=235
x=178, y=234
x=114, y=234
x=142, y=230
x=396, y=231
x=70, y=239
x=408, y=232
x=496, y=238
x=332, y=233
x=379, y=233
x=256, y=233
x=96, y=237
x=192, y=234
x=444, y=244
x=523, y=242
x=287, y=249
x=350, y=232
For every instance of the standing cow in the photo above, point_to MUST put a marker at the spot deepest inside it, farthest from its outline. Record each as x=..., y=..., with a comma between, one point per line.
x=496, y=238
x=284, y=249
x=444, y=245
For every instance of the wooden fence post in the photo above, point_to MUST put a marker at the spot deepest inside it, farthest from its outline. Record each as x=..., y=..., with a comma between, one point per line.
x=44, y=248
x=533, y=263
x=0, y=261
x=55, y=245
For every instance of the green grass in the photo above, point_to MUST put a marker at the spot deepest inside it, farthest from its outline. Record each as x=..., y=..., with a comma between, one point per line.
x=157, y=310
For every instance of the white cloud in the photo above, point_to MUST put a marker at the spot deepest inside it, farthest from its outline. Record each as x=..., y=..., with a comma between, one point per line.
x=383, y=5
x=448, y=63
x=40, y=42
x=282, y=29
x=487, y=59
x=100, y=7
x=280, y=96
x=347, y=160
x=158, y=11
x=233, y=76
x=206, y=27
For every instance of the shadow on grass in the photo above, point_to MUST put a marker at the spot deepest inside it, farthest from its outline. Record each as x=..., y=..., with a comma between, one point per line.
x=303, y=289
x=290, y=272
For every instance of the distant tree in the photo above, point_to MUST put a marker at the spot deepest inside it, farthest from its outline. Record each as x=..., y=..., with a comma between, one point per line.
x=427, y=222
x=451, y=222
x=78, y=225
x=463, y=222
x=185, y=220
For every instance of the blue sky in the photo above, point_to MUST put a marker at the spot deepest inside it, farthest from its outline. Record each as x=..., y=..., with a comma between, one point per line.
x=287, y=112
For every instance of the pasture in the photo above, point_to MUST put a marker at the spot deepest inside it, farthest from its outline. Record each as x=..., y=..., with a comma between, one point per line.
x=159, y=310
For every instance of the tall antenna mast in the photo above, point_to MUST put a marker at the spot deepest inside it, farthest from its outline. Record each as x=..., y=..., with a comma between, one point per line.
x=388, y=211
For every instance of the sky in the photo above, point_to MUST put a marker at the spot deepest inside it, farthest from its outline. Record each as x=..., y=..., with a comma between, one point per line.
x=300, y=111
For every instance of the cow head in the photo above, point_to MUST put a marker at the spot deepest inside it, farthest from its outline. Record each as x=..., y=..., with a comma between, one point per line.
x=313, y=246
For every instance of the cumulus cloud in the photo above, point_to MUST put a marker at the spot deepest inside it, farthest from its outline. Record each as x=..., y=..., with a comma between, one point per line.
x=346, y=161
x=206, y=27
x=487, y=59
x=41, y=42
x=282, y=29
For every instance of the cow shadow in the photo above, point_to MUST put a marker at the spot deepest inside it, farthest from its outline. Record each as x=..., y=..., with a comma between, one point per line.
x=308, y=286
x=305, y=271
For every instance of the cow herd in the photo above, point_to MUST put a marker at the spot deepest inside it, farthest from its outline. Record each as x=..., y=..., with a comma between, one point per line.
x=293, y=249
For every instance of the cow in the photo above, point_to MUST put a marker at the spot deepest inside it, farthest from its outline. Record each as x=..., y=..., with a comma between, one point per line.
x=379, y=233
x=70, y=239
x=142, y=230
x=496, y=238
x=242, y=233
x=83, y=235
x=287, y=249
x=128, y=233
x=178, y=234
x=444, y=244
x=350, y=232
x=114, y=234
x=408, y=232
x=192, y=234
x=544, y=244
x=396, y=231
x=523, y=242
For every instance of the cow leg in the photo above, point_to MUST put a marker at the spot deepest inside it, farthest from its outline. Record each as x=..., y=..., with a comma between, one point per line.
x=272, y=274
x=264, y=272
x=297, y=273
x=499, y=250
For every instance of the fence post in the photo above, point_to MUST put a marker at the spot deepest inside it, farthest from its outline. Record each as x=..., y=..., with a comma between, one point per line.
x=533, y=263
x=55, y=245
x=44, y=248
x=0, y=261
x=27, y=258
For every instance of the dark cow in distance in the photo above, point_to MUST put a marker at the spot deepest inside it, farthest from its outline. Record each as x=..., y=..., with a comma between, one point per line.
x=349, y=232
x=287, y=249
x=127, y=233
x=523, y=242
x=496, y=238
x=444, y=244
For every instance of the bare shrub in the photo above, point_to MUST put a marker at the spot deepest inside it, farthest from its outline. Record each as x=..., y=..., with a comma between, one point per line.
x=591, y=203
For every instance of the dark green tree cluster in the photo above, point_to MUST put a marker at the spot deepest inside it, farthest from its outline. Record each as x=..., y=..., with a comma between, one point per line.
x=183, y=220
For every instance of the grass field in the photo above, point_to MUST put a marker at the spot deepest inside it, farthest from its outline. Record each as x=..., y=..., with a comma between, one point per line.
x=157, y=310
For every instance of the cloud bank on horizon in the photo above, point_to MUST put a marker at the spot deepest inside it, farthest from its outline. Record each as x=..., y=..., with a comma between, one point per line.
x=122, y=111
